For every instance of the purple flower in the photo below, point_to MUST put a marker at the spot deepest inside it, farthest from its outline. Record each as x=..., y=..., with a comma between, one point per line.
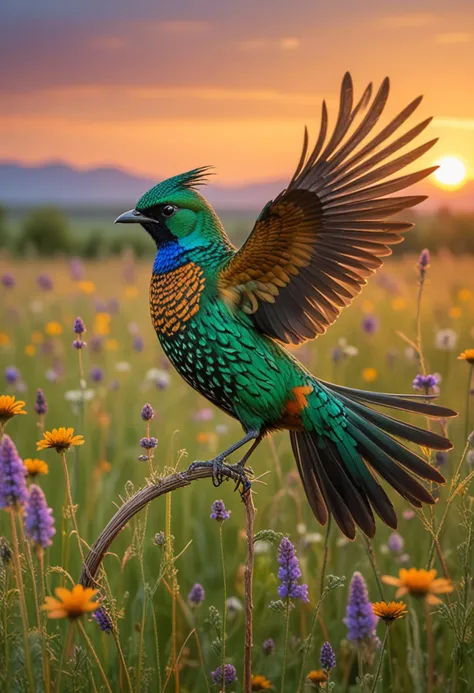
x=440, y=458
x=204, y=414
x=96, y=343
x=289, y=573
x=41, y=406
x=327, y=657
x=13, y=489
x=148, y=443
x=360, y=619
x=44, y=282
x=230, y=675
x=7, y=280
x=147, y=412
x=424, y=259
x=219, y=511
x=268, y=646
x=39, y=520
x=113, y=306
x=396, y=542
x=408, y=514
x=103, y=620
x=12, y=375
x=97, y=374
x=77, y=269
x=79, y=344
x=138, y=343
x=79, y=327
x=370, y=324
x=197, y=595
x=427, y=382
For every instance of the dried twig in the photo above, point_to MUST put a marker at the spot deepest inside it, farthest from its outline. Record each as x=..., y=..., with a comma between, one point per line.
x=249, y=525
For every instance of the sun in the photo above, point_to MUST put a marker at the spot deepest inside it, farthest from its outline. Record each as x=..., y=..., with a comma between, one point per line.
x=451, y=172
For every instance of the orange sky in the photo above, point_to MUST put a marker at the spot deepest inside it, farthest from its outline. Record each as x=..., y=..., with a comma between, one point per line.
x=157, y=92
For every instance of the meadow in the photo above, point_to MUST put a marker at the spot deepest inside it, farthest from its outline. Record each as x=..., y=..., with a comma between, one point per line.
x=163, y=638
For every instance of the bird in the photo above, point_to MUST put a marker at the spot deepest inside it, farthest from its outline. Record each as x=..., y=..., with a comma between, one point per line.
x=225, y=317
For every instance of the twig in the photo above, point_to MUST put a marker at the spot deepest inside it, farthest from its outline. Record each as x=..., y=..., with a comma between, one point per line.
x=248, y=578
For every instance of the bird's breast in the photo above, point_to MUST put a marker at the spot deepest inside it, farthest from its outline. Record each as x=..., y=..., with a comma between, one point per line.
x=175, y=297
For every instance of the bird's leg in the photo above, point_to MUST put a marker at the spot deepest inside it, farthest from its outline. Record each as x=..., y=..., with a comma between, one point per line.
x=239, y=467
x=219, y=469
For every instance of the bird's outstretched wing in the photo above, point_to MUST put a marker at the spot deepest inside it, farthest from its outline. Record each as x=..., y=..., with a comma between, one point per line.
x=313, y=247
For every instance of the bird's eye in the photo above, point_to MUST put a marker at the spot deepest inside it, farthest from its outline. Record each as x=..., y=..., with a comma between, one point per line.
x=168, y=210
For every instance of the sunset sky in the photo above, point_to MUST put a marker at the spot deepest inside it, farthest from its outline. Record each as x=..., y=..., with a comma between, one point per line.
x=158, y=87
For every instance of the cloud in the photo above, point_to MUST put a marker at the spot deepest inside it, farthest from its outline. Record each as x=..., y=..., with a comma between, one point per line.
x=453, y=38
x=455, y=123
x=408, y=21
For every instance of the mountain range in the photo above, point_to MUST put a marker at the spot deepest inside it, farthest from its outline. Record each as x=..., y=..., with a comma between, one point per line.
x=64, y=185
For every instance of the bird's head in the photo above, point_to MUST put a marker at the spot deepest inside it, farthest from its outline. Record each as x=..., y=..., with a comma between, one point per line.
x=173, y=210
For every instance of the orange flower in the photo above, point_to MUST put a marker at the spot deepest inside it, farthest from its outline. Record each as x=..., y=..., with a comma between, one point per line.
x=35, y=466
x=10, y=407
x=53, y=328
x=70, y=603
x=317, y=676
x=260, y=683
x=30, y=350
x=389, y=611
x=369, y=375
x=467, y=355
x=61, y=439
x=87, y=287
x=419, y=583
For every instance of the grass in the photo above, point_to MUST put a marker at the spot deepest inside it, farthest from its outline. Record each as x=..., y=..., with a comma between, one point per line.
x=165, y=644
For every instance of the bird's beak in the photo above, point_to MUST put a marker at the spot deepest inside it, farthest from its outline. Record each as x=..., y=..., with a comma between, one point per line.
x=133, y=216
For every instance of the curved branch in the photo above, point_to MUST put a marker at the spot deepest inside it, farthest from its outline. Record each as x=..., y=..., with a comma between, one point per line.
x=131, y=507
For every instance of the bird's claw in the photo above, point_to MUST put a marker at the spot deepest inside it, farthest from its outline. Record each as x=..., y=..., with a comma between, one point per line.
x=222, y=471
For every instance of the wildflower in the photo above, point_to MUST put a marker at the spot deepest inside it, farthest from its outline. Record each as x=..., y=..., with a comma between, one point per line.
x=396, y=542
x=87, y=287
x=408, y=514
x=317, y=676
x=39, y=520
x=268, y=646
x=79, y=328
x=76, y=396
x=53, y=328
x=327, y=658
x=260, y=683
x=289, y=573
x=455, y=312
x=222, y=429
x=343, y=350
x=369, y=375
x=44, y=282
x=13, y=491
x=159, y=539
x=41, y=406
x=79, y=344
x=446, y=339
x=97, y=374
x=159, y=377
x=103, y=620
x=147, y=412
x=398, y=304
x=77, y=269
x=229, y=675
x=70, y=603
x=440, y=458
x=370, y=324
x=35, y=467
x=123, y=366
x=96, y=343
x=7, y=280
x=219, y=511
x=12, y=375
x=467, y=355
x=427, y=382
x=360, y=620
x=197, y=595
x=4, y=339
x=61, y=439
x=470, y=458
x=138, y=343
x=131, y=291
x=389, y=611
x=464, y=295
x=149, y=443
x=419, y=583
x=30, y=350
x=204, y=414
x=10, y=407
x=424, y=262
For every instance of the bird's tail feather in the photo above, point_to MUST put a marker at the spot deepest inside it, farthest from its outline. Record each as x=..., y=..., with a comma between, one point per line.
x=340, y=473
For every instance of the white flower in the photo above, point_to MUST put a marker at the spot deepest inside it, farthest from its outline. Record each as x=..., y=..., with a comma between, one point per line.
x=347, y=349
x=410, y=354
x=51, y=375
x=36, y=306
x=234, y=604
x=313, y=538
x=75, y=396
x=301, y=528
x=446, y=339
x=158, y=376
x=123, y=366
x=262, y=547
x=222, y=429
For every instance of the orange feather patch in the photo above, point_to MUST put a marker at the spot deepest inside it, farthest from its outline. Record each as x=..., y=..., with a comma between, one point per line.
x=175, y=298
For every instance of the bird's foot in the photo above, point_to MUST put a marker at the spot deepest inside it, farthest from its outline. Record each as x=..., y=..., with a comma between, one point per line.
x=221, y=471
x=244, y=475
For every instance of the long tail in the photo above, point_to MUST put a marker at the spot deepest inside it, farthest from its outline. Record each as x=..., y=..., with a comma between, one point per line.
x=340, y=468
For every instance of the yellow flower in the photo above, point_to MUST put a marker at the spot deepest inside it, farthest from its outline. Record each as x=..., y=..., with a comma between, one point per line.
x=131, y=291
x=419, y=583
x=70, y=603
x=369, y=375
x=368, y=306
x=102, y=324
x=104, y=466
x=4, y=339
x=35, y=466
x=464, y=295
x=37, y=337
x=455, y=312
x=87, y=287
x=260, y=683
x=317, y=676
x=389, y=611
x=9, y=407
x=467, y=355
x=61, y=439
x=30, y=350
x=112, y=344
x=53, y=328
x=399, y=304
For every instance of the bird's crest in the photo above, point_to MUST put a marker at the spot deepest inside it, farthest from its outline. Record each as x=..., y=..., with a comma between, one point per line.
x=177, y=184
